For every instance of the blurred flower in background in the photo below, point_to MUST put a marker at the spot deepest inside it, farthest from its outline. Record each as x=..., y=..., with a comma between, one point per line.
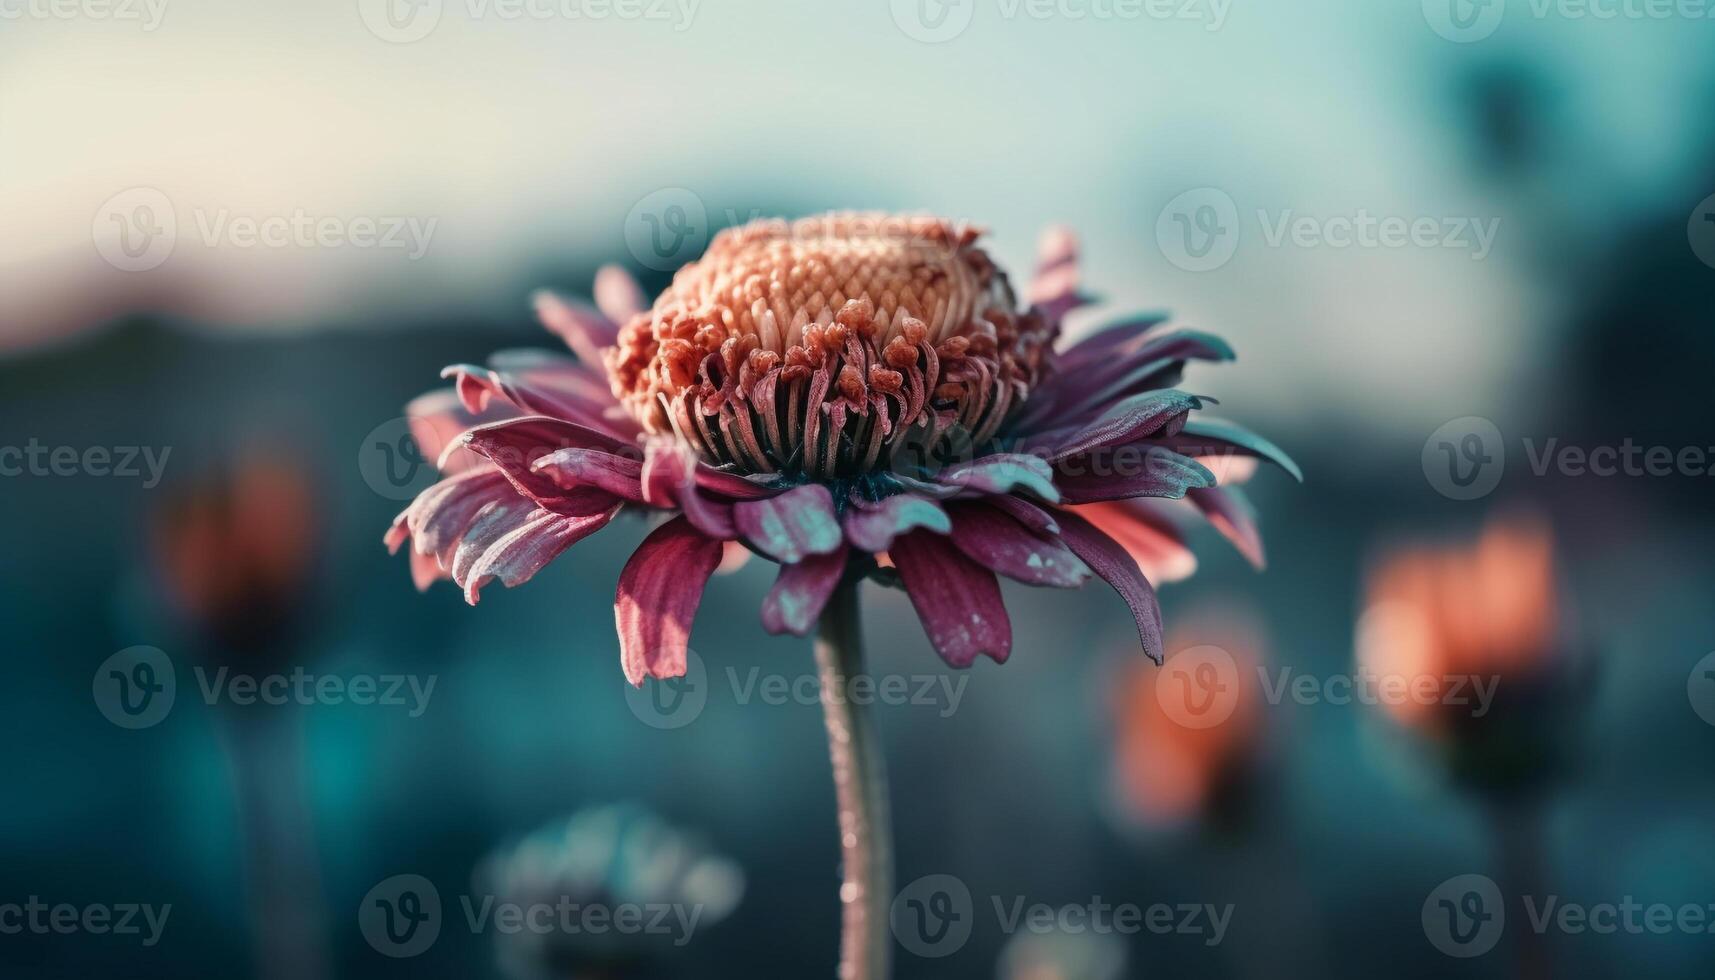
x=1450, y=621
x=235, y=553
x=606, y=856
x=1188, y=734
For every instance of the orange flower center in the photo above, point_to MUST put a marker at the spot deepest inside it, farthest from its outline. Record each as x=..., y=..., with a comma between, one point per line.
x=832, y=346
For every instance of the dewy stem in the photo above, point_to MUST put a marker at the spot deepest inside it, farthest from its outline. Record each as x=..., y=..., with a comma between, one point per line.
x=860, y=789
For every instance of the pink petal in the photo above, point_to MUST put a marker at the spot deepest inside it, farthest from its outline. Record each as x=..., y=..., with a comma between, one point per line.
x=519, y=553
x=957, y=599
x=584, y=330
x=1001, y=544
x=1148, y=534
x=1110, y=561
x=801, y=590
x=426, y=571
x=560, y=389
x=659, y=592
x=438, y=418
x=440, y=515
x=669, y=480
x=1002, y=473
x=515, y=447
x=791, y=526
x=1229, y=510
x=617, y=295
x=872, y=527
x=621, y=476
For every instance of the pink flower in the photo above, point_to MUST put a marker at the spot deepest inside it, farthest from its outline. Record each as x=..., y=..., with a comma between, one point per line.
x=847, y=394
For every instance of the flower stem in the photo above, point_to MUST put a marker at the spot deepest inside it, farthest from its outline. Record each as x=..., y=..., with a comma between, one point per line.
x=860, y=788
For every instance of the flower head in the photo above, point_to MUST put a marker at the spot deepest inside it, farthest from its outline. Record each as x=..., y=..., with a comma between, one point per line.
x=840, y=394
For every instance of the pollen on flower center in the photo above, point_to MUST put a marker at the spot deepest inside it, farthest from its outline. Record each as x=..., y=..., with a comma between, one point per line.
x=831, y=346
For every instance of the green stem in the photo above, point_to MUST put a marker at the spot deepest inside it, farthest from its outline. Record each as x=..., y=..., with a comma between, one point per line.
x=860, y=789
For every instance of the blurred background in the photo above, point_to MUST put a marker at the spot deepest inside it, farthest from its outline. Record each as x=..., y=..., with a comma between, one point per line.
x=1466, y=253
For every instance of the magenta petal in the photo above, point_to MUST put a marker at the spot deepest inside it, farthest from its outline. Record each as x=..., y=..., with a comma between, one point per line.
x=438, y=418
x=957, y=599
x=1002, y=473
x=1105, y=556
x=1039, y=521
x=518, y=554
x=669, y=480
x=1001, y=544
x=617, y=295
x=584, y=330
x=659, y=592
x=800, y=592
x=1135, y=418
x=1205, y=436
x=515, y=447
x=1229, y=510
x=791, y=526
x=872, y=527
x=440, y=515
x=621, y=476
x=1140, y=471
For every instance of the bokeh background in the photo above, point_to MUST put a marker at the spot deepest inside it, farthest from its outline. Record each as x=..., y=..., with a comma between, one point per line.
x=517, y=147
